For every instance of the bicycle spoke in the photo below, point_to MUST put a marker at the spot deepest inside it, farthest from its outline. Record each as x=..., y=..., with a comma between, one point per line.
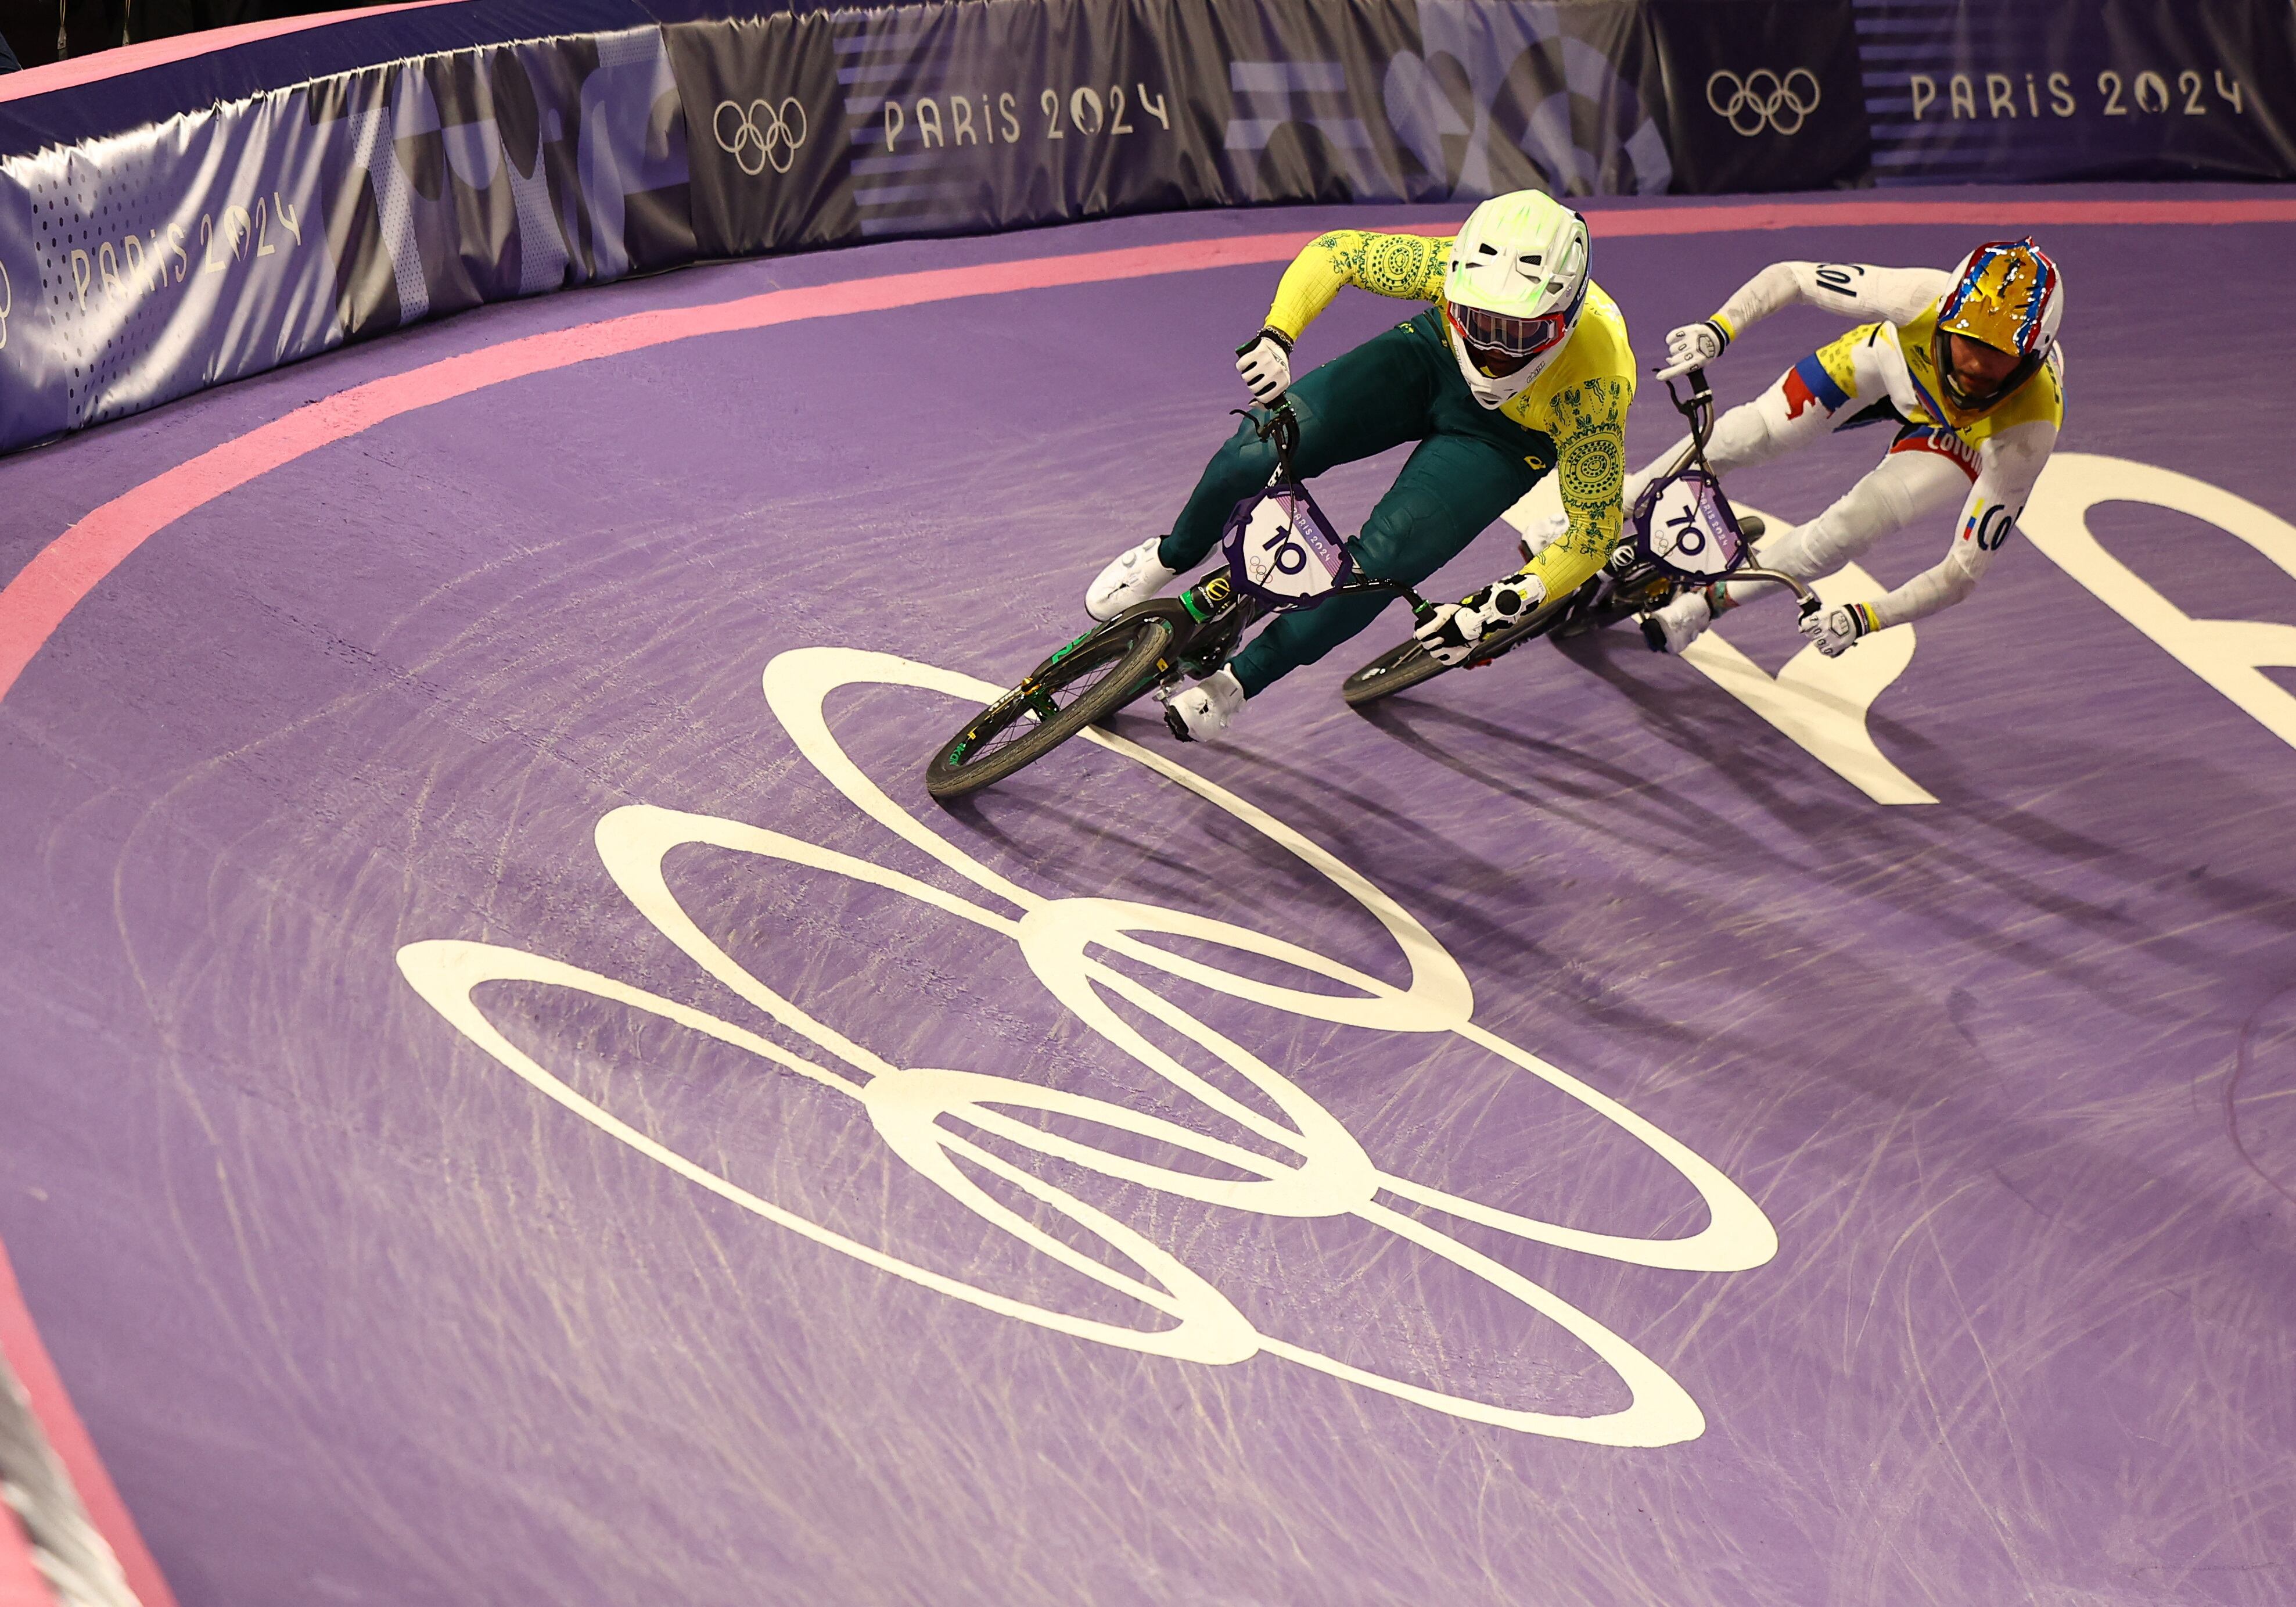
x=1020, y=713
x=1090, y=678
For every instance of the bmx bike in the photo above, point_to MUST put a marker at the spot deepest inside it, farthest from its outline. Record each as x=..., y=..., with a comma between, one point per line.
x=1280, y=553
x=1681, y=533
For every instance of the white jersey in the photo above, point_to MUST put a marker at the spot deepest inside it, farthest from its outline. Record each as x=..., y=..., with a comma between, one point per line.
x=1885, y=370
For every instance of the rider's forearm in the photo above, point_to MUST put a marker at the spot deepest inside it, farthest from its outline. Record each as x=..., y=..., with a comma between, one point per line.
x=1853, y=290
x=2009, y=463
x=1562, y=565
x=1758, y=297
x=1934, y=589
x=1409, y=267
x=1590, y=454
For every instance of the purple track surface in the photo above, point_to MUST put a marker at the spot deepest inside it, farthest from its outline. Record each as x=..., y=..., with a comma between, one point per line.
x=357, y=1314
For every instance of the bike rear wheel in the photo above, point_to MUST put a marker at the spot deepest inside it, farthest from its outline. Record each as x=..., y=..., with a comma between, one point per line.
x=1090, y=678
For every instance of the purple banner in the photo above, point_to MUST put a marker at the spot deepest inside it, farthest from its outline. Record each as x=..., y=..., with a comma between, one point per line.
x=201, y=246
x=1958, y=91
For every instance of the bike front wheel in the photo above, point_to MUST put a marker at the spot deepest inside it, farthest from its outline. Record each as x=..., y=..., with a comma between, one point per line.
x=1400, y=668
x=1086, y=682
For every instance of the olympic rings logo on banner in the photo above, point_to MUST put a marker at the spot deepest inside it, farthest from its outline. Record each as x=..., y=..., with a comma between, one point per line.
x=1765, y=97
x=763, y=134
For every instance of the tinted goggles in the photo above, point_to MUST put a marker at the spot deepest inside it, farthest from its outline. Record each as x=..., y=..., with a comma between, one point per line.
x=1499, y=344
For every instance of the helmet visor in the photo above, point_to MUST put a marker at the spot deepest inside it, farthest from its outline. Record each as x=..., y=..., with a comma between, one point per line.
x=1499, y=343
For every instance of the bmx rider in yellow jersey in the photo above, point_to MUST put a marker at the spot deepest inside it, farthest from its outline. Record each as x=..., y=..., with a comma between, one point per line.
x=1964, y=367
x=1520, y=369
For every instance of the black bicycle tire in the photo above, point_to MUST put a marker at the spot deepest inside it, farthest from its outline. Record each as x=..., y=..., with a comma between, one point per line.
x=1408, y=664
x=1402, y=667
x=1142, y=656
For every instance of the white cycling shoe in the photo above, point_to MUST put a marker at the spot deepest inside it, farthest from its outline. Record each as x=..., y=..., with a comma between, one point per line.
x=1679, y=624
x=1203, y=711
x=1543, y=535
x=1135, y=577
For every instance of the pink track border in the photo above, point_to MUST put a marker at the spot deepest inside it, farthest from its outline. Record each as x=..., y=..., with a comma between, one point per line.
x=158, y=53
x=37, y=602
x=44, y=1387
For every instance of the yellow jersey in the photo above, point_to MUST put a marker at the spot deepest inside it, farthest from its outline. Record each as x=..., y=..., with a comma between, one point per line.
x=1577, y=402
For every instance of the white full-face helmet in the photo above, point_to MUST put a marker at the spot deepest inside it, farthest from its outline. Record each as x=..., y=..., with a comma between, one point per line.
x=1512, y=293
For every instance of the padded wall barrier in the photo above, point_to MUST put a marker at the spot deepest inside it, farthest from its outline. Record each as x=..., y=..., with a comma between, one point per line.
x=212, y=216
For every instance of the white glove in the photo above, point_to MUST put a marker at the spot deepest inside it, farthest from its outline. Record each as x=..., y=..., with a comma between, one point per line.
x=1833, y=630
x=1265, y=361
x=1452, y=632
x=1692, y=346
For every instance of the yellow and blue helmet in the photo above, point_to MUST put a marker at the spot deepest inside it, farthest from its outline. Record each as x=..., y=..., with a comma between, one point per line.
x=2009, y=295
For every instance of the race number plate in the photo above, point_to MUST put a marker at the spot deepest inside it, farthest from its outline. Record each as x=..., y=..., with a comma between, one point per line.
x=1685, y=524
x=1281, y=548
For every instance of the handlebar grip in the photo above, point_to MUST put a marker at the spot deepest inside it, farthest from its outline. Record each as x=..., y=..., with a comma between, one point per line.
x=1810, y=604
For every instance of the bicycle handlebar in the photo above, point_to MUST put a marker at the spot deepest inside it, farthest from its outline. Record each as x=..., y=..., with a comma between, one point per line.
x=1281, y=425
x=1420, y=606
x=1698, y=410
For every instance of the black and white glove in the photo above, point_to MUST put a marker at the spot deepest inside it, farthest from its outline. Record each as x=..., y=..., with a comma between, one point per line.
x=1694, y=346
x=1833, y=629
x=1265, y=361
x=1452, y=633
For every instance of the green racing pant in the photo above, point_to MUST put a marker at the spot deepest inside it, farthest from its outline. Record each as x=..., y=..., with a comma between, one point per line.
x=1471, y=464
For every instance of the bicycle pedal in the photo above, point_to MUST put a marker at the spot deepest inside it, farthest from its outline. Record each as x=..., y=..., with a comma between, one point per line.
x=1175, y=724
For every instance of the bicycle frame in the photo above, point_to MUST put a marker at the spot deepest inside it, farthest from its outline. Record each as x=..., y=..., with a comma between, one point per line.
x=1221, y=607
x=1636, y=549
